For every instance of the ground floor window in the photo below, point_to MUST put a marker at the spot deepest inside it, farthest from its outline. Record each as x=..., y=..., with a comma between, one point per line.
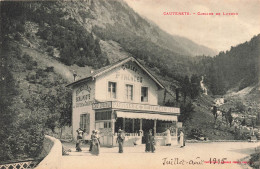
x=103, y=115
x=103, y=124
x=133, y=125
x=85, y=122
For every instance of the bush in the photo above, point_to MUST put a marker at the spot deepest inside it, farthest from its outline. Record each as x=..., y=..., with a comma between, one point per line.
x=50, y=51
x=21, y=133
x=254, y=160
x=30, y=65
x=18, y=36
x=186, y=112
x=49, y=69
x=240, y=107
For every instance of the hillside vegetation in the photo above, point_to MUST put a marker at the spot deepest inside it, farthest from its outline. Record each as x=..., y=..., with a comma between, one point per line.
x=238, y=67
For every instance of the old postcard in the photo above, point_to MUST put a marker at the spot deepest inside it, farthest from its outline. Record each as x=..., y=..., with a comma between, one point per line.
x=122, y=84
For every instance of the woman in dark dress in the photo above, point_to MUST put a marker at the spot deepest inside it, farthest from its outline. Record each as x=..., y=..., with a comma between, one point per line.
x=152, y=141
x=95, y=144
x=149, y=146
x=79, y=139
x=147, y=143
x=120, y=139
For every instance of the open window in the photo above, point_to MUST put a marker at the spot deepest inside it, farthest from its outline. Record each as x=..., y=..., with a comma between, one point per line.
x=144, y=94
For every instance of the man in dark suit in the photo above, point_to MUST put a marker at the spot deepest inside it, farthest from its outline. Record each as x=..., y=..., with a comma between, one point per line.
x=120, y=140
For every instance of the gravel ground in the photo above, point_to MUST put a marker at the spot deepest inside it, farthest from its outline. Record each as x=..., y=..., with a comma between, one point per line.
x=164, y=157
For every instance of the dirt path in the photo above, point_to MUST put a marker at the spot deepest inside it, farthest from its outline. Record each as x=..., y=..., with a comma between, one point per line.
x=135, y=157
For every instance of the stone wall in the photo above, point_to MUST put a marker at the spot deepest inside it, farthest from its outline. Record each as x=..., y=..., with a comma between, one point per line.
x=52, y=153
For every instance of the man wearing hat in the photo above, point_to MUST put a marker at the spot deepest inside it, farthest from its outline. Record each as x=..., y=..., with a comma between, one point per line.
x=120, y=139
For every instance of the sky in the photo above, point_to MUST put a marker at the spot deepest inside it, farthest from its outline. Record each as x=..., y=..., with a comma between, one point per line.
x=216, y=32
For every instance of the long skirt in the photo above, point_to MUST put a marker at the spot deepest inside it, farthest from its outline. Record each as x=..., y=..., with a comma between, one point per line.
x=120, y=147
x=168, y=140
x=147, y=147
x=152, y=148
x=181, y=141
x=90, y=147
x=78, y=145
x=95, y=149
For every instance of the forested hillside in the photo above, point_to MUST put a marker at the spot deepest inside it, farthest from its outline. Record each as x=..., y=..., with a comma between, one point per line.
x=238, y=67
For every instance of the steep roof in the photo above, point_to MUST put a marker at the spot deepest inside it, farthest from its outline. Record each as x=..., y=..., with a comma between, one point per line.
x=114, y=65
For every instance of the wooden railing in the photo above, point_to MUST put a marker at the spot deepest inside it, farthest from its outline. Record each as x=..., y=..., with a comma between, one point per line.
x=21, y=164
x=137, y=134
x=164, y=134
x=129, y=134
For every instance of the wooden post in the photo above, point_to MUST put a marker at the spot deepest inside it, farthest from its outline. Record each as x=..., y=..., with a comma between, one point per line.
x=113, y=126
x=133, y=126
x=141, y=124
x=154, y=127
x=124, y=124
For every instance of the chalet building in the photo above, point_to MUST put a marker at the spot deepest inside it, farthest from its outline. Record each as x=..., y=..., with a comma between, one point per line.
x=123, y=95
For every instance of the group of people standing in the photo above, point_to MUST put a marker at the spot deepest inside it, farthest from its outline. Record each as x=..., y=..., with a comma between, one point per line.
x=149, y=141
x=94, y=143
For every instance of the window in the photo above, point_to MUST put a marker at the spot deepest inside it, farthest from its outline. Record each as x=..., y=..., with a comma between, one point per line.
x=107, y=124
x=129, y=92
x=101, y=125
x=112, y=90
x=84, y=122
x=144, y=94
x=104, y=115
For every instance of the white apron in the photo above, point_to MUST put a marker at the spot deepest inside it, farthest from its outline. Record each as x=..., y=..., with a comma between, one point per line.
x=168, y=137
x=181, y=139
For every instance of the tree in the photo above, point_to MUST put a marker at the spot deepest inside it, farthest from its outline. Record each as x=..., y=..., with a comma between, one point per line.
x=195, y=86
x=21, y=133
x=186, y=112
x=185, y=88
x=215, y=114
x=7, y=116
x=58, y=106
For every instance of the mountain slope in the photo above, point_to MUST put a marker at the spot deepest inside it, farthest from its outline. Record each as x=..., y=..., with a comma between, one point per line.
x=58, y=38
x=236, y=68
x=119, y=12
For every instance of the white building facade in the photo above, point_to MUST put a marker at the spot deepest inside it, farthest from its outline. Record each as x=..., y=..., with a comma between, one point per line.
x=121, y=96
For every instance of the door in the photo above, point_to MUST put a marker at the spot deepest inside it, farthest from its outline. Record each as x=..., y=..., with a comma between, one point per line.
x=105, y=133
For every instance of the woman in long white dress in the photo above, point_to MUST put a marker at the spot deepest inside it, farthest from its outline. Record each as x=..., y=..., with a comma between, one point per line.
x=168, y=137
x=182, y=139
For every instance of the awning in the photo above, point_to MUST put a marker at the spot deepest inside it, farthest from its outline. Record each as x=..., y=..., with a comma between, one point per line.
x=148, y=116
